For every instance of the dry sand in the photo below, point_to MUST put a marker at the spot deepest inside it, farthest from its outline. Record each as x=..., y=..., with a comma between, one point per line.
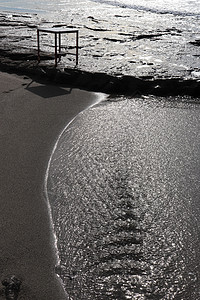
x=31, y=117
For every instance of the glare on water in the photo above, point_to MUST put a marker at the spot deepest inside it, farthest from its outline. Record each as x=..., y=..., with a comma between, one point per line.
x=176, y=6
x=124, y=189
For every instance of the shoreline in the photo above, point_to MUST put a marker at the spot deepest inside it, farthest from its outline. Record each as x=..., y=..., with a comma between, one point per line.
x=102, y=82
x=33, y=115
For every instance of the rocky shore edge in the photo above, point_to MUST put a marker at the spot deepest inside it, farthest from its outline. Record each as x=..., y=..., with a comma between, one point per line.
x=27, y=64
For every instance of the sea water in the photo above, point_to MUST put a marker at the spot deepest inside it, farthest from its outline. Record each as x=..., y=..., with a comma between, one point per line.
x=123, y=184
x=184, y=7
x=160, y=6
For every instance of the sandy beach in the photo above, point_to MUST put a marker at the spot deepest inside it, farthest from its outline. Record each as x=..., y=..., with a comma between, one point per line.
x=32, y=117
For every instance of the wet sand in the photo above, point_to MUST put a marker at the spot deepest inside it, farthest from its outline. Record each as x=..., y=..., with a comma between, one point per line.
x=32, y=116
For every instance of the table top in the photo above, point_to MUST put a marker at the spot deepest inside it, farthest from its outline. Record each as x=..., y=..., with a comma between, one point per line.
x=57, y=30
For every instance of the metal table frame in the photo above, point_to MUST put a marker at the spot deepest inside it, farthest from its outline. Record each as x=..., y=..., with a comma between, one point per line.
x=57, y=31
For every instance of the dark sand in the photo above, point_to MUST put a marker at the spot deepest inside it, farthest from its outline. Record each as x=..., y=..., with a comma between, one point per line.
x=32, y=116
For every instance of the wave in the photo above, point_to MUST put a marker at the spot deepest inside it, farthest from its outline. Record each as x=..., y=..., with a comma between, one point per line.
x=21, y=10
x=173, y=7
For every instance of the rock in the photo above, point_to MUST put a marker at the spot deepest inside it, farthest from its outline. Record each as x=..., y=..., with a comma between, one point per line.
x=147, y=36
x=195, y=43
x=26, y=64
x=12, y=287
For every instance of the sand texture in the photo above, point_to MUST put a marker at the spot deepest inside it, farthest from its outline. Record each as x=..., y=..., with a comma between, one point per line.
x=32, y=116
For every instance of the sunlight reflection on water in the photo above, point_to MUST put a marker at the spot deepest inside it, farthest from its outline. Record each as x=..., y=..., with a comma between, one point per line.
x=160, y=6
x=124, y=190
x=173, y=6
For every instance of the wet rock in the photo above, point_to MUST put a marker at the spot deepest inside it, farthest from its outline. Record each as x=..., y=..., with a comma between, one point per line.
x=26, y=63
x=24, y=55
x=173, y=29
x=195, y=43
x=93, y=19
x=59, y=25
x=95, y=28
x=12, y=287
x=100, y=81
x=71, y=76
x=147, y=36
x=114, y=40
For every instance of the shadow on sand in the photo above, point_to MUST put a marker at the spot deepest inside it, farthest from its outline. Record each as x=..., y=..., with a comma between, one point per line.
x=48, y=91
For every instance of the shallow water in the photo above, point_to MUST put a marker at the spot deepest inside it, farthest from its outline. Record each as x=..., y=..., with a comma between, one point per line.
x=179, y=7
x=124, y=190
x=189, y=7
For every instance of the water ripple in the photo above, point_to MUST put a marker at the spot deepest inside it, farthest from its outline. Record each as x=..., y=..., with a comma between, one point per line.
x=124, y=190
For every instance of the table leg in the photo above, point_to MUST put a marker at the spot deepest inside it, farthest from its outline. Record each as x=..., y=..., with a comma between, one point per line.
x=56, y=55
x=77, y=48
x=38, y=44
x=59, y=36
